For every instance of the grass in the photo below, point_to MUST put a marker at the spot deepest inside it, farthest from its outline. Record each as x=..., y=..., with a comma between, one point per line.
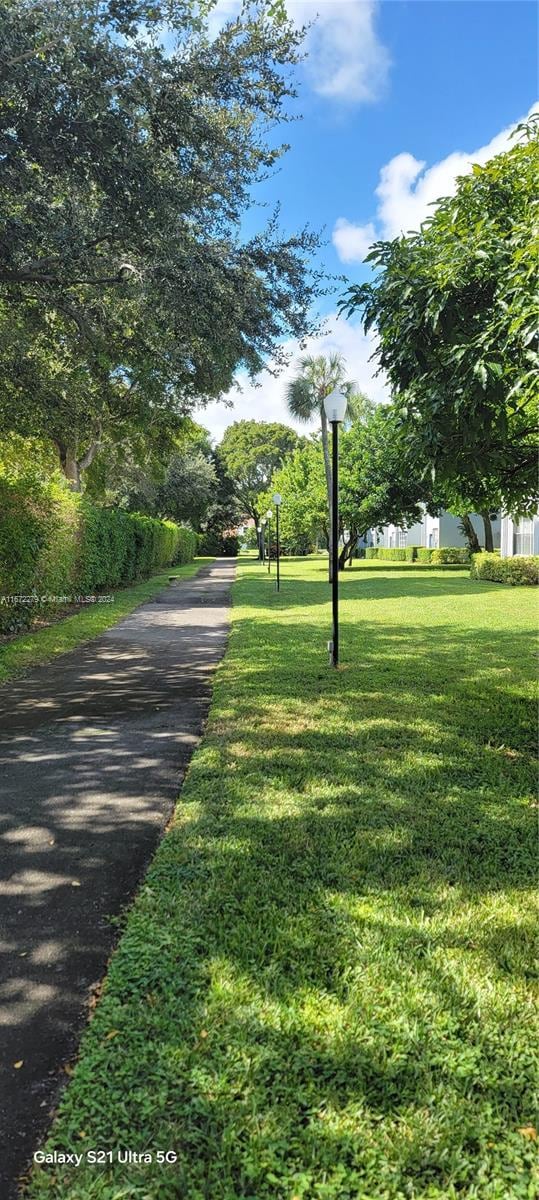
x=323, y=991
x=32, y=648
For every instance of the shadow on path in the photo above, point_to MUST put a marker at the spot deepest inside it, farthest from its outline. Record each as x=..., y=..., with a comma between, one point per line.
x=93, y=747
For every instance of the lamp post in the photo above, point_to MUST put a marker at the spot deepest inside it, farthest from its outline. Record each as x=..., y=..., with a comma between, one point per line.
x=259, y=532
x=277, y=502
x=263, y=526
x=269, y=515
x=335, y=406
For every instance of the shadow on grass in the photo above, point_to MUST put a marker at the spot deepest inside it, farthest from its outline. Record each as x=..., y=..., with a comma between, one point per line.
x=323, y=979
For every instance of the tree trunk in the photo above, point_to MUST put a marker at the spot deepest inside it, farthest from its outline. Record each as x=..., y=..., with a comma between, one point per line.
x=489, y=536
x=329, y=480
x=469, y=533
x=73, y=466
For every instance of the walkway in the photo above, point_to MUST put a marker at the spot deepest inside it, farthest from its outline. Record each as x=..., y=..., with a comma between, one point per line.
x=93, y=747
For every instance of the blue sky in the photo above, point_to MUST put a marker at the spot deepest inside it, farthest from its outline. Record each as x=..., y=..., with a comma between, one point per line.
x=396, y=98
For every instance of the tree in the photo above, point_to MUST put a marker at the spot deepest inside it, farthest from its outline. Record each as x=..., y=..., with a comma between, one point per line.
x=304, y=511
x=455, y=309
x=126, y=291
x=252, y=451
x=378, y=485
x=186, y=493
x=317, y=377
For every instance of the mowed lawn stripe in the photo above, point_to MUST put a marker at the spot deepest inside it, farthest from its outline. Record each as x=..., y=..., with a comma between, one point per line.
x=324, y=988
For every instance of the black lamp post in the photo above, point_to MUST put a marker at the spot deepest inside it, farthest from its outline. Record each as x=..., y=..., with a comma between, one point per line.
x=269, y=515
x=277, y=502
x=335, y=406
x=259, y=536
x=262, y=524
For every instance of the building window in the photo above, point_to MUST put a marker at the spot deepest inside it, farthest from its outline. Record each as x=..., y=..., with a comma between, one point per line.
x=523, y=537
x=433, y=539
x=401, y=539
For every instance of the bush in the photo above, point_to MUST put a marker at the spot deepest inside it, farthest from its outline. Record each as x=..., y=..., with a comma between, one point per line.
x=392, y=553
x=218, y=544
x=411, y=553
x=424, y=554
x=451, y=554
x=514, y=571
x=372, y=552
x=54, y=543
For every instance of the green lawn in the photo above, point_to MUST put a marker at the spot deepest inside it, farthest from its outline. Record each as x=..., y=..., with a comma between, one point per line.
x=324, y=988
x=31, y=649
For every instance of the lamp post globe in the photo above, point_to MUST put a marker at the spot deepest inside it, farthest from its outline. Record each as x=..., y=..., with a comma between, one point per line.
x=335, y=410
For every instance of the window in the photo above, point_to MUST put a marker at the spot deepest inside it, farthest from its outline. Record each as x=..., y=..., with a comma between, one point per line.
x=401, y=539
x=433, y=539
x=523, y=537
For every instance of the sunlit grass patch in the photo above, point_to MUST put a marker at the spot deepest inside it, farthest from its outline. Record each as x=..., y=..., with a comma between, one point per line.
x=324, y=989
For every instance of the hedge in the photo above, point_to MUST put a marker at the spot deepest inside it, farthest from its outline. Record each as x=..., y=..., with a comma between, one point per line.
x=372, y=552
x=451, y=554
x=54, y=543
x=424, y=554
x=514, y=571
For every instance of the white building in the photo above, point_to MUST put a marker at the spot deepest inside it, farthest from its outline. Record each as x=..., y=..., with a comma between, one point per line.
x=434, y=532
x=520, y=535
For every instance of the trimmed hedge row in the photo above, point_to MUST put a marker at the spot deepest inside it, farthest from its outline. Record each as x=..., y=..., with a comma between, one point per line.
x=218, y=545
x=422, y=554
x=56, y=544
x=514, y=571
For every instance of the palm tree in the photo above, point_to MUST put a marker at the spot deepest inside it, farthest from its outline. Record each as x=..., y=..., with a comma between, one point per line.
x=317, y=377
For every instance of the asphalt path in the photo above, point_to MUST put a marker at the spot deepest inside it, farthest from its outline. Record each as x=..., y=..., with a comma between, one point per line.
x=93, y=749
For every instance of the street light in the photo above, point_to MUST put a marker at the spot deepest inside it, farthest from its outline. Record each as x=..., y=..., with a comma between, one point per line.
x=269, y=515
x=277, y=502
x=259, y=532
x=335, y=408
x=263, y=525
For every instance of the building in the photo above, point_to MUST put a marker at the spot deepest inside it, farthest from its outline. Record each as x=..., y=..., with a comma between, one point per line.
x=433, y=532
x=520, y=535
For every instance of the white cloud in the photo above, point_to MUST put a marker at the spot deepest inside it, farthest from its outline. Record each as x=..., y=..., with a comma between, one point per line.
x=346, y=60
x=407, y=191
x=352, y=241
x=267, y=401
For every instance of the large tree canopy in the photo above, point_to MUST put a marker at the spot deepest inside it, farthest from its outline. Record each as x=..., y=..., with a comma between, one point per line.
x=455, y=309
x=126, y=291
x=252, y=451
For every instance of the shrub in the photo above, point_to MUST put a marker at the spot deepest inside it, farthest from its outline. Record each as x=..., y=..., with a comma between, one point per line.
x=392, y=553
x=55, y=543
x=218, y=544
x=411, y=553
x=451, y=554
x=424, y=554
x=372, y=552
x=514, y=571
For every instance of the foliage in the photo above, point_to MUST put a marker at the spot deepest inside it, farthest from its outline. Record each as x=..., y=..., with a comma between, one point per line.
x=126, y=291
x=518, y=570
x=317, y=377
x=218, y=545
x=392, y=553
x=372, y=552
x=424, y=554
x=303, y=515
x=411, y=553
x=455, y=309
x=377, y=486
x=188, y=487
x=31, y=649
x=324, y=988
x=55, y=546
x=450, y=554
x=251, y=452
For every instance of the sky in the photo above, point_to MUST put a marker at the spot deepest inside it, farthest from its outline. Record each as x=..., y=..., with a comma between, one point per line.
x=396, y=99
